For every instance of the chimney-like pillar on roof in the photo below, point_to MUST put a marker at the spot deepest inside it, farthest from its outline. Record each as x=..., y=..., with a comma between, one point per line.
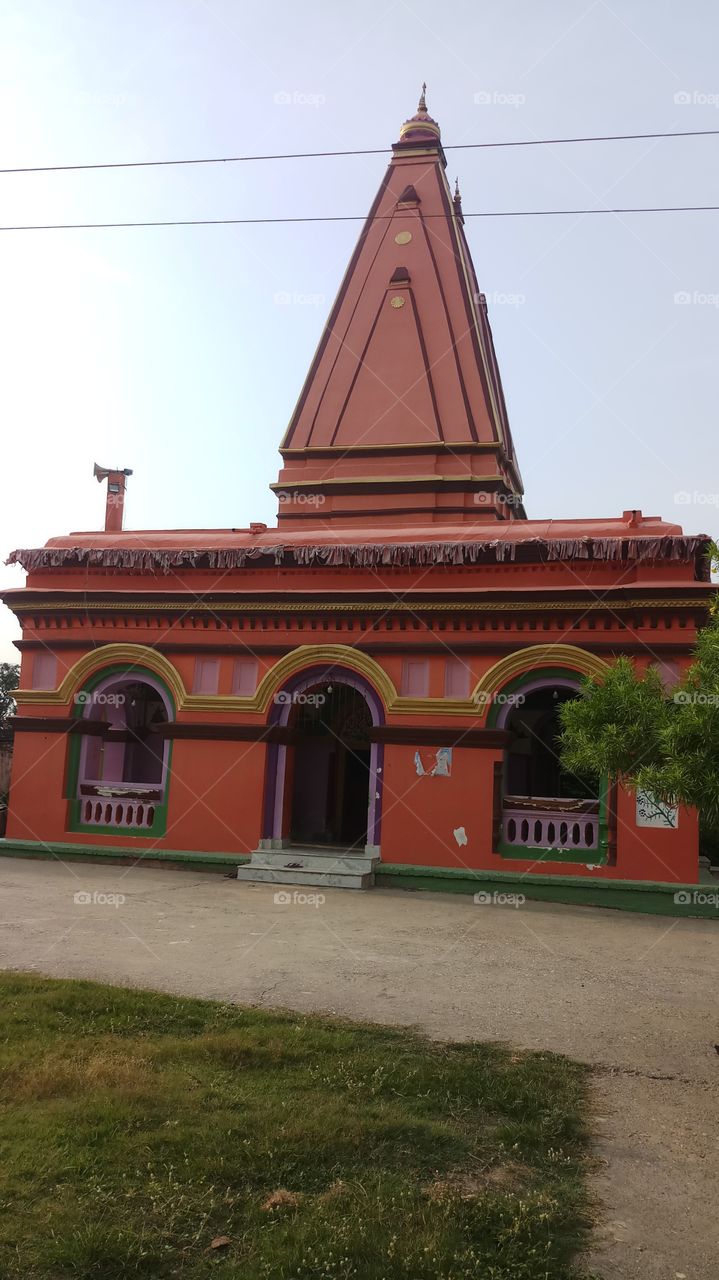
x=115, y=500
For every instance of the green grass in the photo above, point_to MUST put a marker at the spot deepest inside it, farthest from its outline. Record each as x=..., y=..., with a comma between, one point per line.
x=136, y=1127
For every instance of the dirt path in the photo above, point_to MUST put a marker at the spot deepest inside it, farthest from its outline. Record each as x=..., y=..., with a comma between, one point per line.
x=635, y=996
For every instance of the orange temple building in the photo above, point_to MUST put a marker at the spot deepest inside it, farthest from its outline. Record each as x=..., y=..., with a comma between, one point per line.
x=369, y=692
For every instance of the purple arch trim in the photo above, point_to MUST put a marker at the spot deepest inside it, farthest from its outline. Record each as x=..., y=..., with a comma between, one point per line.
x=569, y=681
x=135, y=675
x=277, y=753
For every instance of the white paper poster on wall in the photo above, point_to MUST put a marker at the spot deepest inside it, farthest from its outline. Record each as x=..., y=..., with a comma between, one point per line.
x=655, y=813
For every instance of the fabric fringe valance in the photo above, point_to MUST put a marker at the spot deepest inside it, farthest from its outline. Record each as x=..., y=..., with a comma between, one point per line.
x=367, y=555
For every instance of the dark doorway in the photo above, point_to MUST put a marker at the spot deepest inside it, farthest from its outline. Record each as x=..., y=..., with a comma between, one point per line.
x=533, y=765
x=330, y=726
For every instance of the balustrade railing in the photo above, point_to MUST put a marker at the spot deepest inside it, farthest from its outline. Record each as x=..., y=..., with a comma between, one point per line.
x=551, y=824
x=121, y=807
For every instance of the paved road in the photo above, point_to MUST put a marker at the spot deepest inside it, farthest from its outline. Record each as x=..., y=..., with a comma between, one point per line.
x=634, y=995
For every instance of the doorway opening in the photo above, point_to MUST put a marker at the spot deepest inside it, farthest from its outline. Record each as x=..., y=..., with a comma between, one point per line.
x=534, y=766
x=544, y=807
x=330, y=727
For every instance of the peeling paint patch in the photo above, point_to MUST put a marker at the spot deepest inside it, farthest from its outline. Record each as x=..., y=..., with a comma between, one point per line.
x=460, y=835
x=437, y=764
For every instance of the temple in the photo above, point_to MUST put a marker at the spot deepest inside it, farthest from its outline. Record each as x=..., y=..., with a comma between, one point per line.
x=369, y=692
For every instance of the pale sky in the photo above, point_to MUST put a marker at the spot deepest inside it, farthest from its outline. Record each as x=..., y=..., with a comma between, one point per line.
x=176, y=352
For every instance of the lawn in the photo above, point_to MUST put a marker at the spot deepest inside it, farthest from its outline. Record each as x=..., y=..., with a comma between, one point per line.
x=144, y=1135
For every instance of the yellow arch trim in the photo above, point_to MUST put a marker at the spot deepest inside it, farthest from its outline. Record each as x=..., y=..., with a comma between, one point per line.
x=325, y=655
x=533, y=658
x=108, y=655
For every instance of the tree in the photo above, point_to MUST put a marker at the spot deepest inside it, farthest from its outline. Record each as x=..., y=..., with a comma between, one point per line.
x=9, y=680
x=630, y=729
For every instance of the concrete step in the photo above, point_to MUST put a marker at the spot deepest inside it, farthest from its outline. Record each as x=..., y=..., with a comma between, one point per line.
x=339, y=864
x=334, y=868
x=318, y=879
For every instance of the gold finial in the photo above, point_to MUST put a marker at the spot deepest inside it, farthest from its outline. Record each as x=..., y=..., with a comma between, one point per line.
x=422, y=103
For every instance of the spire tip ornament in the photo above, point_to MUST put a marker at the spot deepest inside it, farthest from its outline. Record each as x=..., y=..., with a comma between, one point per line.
x=420, y=128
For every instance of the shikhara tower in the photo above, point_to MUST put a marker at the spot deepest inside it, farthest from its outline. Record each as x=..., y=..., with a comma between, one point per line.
x=368, y=691
x=402, y=415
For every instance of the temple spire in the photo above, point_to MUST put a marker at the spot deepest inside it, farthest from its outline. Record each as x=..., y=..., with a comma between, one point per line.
x=422, y=104
x=402, y=417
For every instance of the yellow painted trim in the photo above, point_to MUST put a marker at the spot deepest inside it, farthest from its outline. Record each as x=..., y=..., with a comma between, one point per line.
x=306, y=656
x=310, y=655
x=532, y=658
x=420, y=149
x=300, y=659
x=108, y=655
x=468, y=446
x=142, y=657
x=435, y=707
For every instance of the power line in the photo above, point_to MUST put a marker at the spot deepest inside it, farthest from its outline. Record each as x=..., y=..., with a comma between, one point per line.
x=235, y=222
x=372, y=151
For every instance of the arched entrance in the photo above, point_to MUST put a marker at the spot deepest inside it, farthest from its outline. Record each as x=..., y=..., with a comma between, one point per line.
x=544, y=808
x=331, y=725
x=324, y=776
x=123, y=762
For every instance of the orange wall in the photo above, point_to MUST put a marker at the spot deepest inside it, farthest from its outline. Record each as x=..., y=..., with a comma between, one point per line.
x=420, y=814
x=217, y=795
x=38, y=808
x=217, y=786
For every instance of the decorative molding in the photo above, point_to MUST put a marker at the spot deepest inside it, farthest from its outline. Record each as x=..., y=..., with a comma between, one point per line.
x=140, y=657
x=137, y=656
x=325, y=655
x=534, y=657
x=437, y=478
x=405, y=605
x=304, y=657
x=456, y=446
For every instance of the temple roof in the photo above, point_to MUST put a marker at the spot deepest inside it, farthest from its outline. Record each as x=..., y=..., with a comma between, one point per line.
x=402, y=415
x=632, y=537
